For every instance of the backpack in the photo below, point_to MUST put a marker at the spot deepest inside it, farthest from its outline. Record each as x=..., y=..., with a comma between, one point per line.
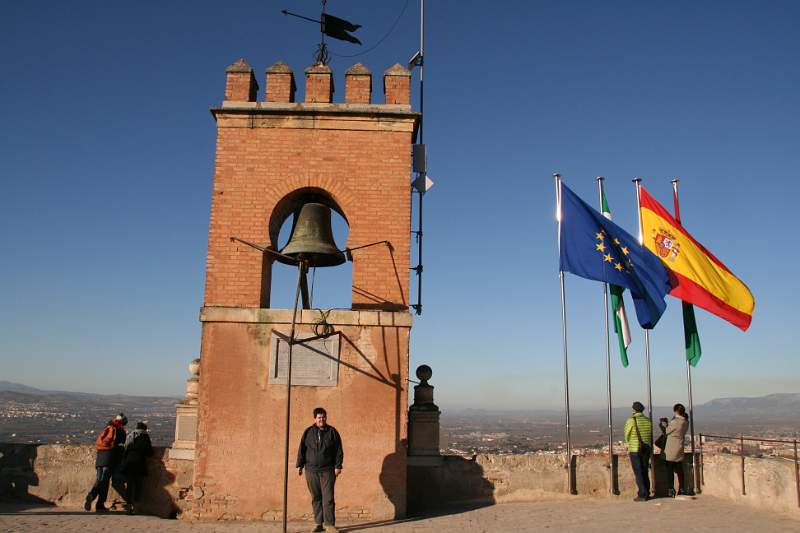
x=107, y=439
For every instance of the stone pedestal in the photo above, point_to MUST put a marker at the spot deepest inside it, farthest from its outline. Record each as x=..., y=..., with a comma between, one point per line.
x=186, y=418
x=423, y=418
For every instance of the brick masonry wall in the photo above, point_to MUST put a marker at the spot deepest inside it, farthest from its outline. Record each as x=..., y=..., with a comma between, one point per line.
x=358, y=154
x=240, y=447
x=365, y=172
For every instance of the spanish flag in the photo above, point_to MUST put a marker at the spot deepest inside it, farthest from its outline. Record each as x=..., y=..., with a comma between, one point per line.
x=697, y=276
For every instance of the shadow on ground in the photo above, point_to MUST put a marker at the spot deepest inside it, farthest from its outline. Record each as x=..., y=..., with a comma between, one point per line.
x=444, y=510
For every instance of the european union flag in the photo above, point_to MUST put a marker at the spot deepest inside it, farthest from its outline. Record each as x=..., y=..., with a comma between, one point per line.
x=593, y=247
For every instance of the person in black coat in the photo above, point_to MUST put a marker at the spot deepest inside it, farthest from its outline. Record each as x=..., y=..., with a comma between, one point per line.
x=134, y=463
x=321, y=455
x=109, y=444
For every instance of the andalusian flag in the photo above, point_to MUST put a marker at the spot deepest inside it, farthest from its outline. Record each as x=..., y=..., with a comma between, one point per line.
x=691, y=336
x=621, y=327
x=698, y=277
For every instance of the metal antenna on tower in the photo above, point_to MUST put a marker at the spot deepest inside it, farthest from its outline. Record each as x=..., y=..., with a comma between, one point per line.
x=322, y=50
x=422, y=183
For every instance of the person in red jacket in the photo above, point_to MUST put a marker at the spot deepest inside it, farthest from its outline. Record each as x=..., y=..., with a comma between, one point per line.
x=109, y=445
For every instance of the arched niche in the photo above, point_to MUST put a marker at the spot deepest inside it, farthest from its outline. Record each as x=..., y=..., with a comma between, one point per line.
x=332, y=285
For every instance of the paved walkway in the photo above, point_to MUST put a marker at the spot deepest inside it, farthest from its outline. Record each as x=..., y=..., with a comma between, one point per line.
x=579, y=515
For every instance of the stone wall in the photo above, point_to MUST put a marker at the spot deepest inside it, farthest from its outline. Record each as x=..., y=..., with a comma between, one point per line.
x=488, y=479
x=769, y=482
x=62, y=474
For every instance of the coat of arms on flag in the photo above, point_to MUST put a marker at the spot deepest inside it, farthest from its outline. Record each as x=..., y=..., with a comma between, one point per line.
x=666, y=244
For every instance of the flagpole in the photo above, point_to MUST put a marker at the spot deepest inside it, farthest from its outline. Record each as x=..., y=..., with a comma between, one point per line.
x=570, y=485
x=302, y=268
x=695, y=483
x=600, y=180
x=421, y=67
x=638, y=183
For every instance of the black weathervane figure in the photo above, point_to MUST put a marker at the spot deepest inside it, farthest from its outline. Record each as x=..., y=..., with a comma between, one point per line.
x=332, y=27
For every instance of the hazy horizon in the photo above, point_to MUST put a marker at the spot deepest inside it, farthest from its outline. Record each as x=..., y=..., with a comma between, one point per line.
x=108, y=159
x=444, y=407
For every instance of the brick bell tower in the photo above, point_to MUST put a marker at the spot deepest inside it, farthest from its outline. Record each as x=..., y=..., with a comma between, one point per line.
x=272, y=157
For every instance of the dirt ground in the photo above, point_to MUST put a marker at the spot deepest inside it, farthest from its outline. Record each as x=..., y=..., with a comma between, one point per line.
x=580, y=515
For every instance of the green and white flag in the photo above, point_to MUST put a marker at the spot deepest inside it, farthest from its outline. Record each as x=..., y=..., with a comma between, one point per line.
x=691, y=336
x=621, y=327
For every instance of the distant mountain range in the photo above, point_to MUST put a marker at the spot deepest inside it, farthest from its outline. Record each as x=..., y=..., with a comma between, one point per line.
x=31, y=415
x=9, y=386
x=772, y=406
x=781, y=405
x=774, y=412
x=781, y=402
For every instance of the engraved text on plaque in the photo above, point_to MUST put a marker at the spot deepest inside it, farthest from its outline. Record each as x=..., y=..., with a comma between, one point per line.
x=314, y=363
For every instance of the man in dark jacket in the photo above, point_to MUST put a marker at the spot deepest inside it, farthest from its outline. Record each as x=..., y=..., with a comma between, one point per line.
x=321, y=456
x=134, y=462
x=109, y=446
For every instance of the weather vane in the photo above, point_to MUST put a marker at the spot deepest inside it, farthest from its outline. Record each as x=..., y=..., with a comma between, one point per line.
x=332, y=27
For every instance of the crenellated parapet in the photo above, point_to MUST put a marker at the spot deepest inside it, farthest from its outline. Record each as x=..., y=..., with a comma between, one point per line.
x=280, y=87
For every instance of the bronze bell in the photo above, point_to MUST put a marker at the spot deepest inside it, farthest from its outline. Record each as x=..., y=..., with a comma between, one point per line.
x=312, y=237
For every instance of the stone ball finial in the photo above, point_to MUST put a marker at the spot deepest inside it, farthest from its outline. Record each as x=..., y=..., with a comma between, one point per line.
x=194, y=368
x=424, y=373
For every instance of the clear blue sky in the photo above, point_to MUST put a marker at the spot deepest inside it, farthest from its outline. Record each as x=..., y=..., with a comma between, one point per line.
x=107, y=154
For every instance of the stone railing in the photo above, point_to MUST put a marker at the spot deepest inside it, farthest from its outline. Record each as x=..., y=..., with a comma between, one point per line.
x=771, y=482
x=488, y=479
x=62, y=474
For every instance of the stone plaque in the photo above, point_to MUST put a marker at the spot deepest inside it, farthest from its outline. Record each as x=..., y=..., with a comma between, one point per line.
x=314, y=363
x=186, y=427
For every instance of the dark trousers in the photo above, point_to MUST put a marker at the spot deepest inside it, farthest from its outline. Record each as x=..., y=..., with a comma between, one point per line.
x=100, y=488
x=320, y=485
x=134, y=488
x=676, y=467
x=106, y=475
x=639, y=463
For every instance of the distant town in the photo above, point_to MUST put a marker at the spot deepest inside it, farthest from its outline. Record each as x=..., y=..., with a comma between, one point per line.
x=29, y=415
x=508, y=434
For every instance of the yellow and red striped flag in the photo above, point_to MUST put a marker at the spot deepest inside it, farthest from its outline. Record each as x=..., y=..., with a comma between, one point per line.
x=698, y=277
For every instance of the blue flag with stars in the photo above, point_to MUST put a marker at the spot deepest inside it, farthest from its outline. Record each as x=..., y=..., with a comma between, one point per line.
x=593, y=247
